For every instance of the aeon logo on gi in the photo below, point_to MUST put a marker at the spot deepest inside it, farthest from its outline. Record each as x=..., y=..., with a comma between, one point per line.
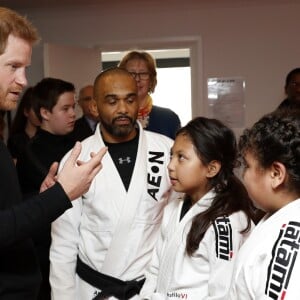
x=154, y=172
x=177, y=295
x=223, y=234
x=284, y=255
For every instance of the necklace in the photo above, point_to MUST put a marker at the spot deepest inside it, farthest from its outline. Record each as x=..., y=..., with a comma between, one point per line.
x=143, y=114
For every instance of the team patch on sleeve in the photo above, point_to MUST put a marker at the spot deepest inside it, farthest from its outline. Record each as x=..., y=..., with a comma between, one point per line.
x=223, y=233
x=155, y=170
x=284, y=255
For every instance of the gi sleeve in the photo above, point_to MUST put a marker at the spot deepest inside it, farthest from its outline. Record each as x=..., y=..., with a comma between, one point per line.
x=149, y=288
x=63, y=253
x=243, y=290
x=223, y=241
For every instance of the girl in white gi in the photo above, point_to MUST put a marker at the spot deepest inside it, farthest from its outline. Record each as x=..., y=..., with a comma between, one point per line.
x=268, y=264
x=202, y=232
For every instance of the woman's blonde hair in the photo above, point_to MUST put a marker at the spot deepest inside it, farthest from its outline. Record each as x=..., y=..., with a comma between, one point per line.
x=150, y=62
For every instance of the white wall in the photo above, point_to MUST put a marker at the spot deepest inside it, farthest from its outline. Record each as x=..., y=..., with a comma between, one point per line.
x=258, y=42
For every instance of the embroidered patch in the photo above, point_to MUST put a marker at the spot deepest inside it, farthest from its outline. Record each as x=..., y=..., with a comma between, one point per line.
x=121, y=160
x=223, y=233
x=155, y=164
x=284, y=254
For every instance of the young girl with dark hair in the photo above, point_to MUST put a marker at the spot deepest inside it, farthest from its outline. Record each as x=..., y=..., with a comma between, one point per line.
x=202, y=232
x=268, y=264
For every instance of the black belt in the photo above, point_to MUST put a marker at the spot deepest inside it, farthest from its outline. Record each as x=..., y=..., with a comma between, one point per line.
x=109, y=286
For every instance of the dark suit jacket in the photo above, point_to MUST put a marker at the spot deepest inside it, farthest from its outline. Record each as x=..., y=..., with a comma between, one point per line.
x=81, y=130
x=19, y=272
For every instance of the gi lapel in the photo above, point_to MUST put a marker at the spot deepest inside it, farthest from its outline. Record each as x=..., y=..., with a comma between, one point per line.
x=112, y=264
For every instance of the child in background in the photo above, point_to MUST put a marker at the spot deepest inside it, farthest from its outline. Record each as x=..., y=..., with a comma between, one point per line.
x=53, y=104
x=24, y=126
x=202, y=232
x=268, y=264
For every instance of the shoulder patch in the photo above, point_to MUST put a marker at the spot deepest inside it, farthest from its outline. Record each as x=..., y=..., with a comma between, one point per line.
x=284, y=255
x=223, y=234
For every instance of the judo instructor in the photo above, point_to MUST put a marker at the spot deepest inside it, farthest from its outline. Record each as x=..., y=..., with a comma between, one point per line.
x=19, y=271
x=101, y=246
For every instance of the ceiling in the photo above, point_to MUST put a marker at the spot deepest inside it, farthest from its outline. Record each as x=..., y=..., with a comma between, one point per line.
x=21, y=4
x=26, y=4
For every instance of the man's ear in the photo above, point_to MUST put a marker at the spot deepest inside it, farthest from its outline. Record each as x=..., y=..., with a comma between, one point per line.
x=93, y=108
x=44, y=113
x=213, y=168
x=278, y=174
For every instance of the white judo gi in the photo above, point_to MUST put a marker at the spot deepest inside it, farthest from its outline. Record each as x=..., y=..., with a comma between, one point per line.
x=88, y=228
x=268, y=264
x=172, y=274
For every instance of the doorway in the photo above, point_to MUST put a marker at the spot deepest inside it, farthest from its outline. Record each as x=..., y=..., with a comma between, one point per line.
x=173, y=88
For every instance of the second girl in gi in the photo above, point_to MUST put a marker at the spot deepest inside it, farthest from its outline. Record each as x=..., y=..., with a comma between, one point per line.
x=202, y=232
